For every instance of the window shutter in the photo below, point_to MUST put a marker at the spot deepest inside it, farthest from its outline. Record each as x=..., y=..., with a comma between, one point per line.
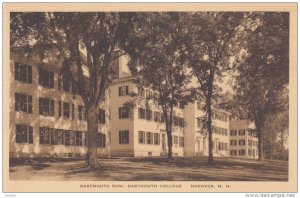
x=30, y=135
x=17, y=71
x=104, y=140
x=120, y=91
x=41, y=106
x=73, y=111
x=120, y=112
x=51, y=107
x=29, y=103
x=17, y=103
x=29, y=74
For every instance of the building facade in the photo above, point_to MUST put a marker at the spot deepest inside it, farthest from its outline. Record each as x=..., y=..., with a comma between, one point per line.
x=139, y=130
x=243, y=140
x=197, y=136
x=48, y=118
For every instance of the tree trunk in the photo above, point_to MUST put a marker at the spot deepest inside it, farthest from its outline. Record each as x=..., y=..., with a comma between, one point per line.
x=260, y=145
x=209, y=126
x=210, y=140
x=170, y=144
x=92, y=126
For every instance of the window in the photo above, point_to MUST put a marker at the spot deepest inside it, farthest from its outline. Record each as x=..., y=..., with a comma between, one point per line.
x=255, y=143
x=214, y=129
x=101, y=117
x=226, y=146
x=64, y=83
x=123, y=91
x=241, y=132
x=233, y=152
x=23, y=72
x=100, y=140
x=57, y=137
x=78, y=138
x=123, y=137
x=24, y=134
x=148, y=94
x=181, y=141
x=23, y=103
x=46, y=106
x=233, y=142
x=44, y=135
x=175, y=139
x=233, y=133
x=46, y=78
x=69, y=138
x=156, y=139
x=66, y=110
x=226, y=132
x=249, y=142
x=219, y=130
x=162, y=118
x=155, y=98
x=81, y=113
x=141, y=137
x=242, y=152
x=123, y=112
x=181, y=122
x=148, y=114
x=149, y=138
x=141, y=91
x=250, y=152
x=142, y=113
x=241, y=142
x=175, y=121
x=156, y=116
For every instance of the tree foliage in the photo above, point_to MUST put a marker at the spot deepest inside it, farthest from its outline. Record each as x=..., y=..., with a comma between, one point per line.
x=210, y=40
x=156, y=51
x=71, y=33
x=263, y=73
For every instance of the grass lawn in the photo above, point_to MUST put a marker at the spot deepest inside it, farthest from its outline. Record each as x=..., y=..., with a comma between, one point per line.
x=150, y=169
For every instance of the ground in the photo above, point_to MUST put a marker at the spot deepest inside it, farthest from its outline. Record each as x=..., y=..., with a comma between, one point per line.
x=149, y=169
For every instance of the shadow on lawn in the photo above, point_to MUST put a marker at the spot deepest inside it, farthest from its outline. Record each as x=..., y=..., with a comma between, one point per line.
x=162, y=169
x=219, y=163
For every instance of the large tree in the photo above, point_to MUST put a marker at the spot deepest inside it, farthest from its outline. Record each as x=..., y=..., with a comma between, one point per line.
x=262, y=76
x=210, y=41
x=72, y=33
x=156, y=61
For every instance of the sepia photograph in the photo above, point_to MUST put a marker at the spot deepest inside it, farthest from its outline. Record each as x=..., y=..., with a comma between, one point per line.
x=159, y=100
